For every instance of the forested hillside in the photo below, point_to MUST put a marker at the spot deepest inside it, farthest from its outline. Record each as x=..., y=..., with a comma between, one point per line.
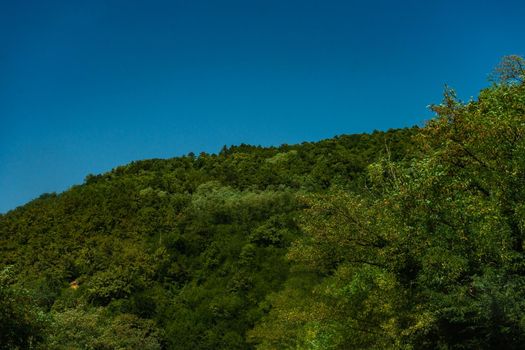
x=405, y=239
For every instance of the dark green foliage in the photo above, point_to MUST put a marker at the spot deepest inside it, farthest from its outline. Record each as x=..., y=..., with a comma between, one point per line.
x=432, y=257
x=405, y=239
x=94, y=328
x=192, y=244
x=22, y=324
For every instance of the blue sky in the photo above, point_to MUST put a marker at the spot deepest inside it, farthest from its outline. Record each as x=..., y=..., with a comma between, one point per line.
x=87, y=86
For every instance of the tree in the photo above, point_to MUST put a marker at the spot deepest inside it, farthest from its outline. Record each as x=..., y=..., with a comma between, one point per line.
x=511, y=69
x=433, y=255
x=94, y=328
x=22, y=324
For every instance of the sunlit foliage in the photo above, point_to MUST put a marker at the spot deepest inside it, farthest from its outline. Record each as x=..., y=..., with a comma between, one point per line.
x=405, y=239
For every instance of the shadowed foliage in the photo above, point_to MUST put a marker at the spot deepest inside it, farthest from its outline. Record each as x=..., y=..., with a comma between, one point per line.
x=405, y=239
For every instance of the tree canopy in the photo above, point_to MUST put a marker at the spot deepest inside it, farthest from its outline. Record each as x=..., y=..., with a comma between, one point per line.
x=404, y=239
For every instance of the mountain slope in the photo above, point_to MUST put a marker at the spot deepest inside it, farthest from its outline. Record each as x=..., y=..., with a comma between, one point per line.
x=184, y=249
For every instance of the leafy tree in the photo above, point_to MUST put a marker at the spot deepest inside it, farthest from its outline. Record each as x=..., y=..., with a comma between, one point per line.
x=189, y=249
x=510, y=70
x=22, y=324
x=93, y=328
x=433, y=255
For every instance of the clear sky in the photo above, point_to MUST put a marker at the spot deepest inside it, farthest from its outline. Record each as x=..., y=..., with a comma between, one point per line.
x=89, y=85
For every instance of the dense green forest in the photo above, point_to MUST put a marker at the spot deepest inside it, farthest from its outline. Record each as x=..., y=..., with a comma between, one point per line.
x=405, y=239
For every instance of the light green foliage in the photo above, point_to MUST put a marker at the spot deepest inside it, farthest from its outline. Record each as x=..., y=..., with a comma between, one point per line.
x=93, y=328
x=432, y=256
x=192, y=244
x=405, y=239
x=282, y=158
x=22, y=323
